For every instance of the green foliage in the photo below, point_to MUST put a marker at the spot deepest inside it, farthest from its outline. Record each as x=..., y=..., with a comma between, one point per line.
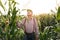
x=46, y=20
x=2, y=5
x=49, y=25
x=50, y=33
x=58, y=14
x=8, y=28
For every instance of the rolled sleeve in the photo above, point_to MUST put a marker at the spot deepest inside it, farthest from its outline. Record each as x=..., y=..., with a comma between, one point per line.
x=20, y=24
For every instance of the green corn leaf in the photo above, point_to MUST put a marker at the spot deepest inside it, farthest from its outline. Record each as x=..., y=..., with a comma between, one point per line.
x=58, y=14
x=2, y=5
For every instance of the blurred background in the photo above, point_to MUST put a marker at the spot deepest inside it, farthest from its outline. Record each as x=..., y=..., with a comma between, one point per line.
x=47, y=13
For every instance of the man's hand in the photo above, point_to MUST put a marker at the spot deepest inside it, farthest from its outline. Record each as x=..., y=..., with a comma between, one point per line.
x=18, y=24
x=37, y=37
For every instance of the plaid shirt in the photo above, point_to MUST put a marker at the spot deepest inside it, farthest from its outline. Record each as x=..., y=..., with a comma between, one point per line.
x=30, y=26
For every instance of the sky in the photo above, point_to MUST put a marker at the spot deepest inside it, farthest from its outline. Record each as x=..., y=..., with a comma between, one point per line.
x=37, y=6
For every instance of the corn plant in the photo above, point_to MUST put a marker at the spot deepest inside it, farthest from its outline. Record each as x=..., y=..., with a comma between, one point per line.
x=9, y=30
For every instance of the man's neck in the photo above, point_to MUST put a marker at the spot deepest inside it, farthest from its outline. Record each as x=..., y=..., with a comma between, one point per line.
x=29, y=18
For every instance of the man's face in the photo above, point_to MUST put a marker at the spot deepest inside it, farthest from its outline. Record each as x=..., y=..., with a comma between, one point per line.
x=29, y=13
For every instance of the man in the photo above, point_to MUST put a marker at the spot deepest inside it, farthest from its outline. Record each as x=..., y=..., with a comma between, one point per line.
x=30, y=26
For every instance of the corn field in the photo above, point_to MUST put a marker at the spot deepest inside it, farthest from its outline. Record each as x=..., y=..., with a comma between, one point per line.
x=49, y=25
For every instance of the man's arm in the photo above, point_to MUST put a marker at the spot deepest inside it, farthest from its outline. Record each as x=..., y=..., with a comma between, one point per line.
x=20, y=24
x=36, y=28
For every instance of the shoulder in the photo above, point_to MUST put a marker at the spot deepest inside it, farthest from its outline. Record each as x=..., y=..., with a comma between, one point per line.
x=25, y=18
x=34, y=18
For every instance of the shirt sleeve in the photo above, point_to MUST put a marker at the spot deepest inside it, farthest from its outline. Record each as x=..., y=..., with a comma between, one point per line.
x=20, y=24
x=36, y=28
